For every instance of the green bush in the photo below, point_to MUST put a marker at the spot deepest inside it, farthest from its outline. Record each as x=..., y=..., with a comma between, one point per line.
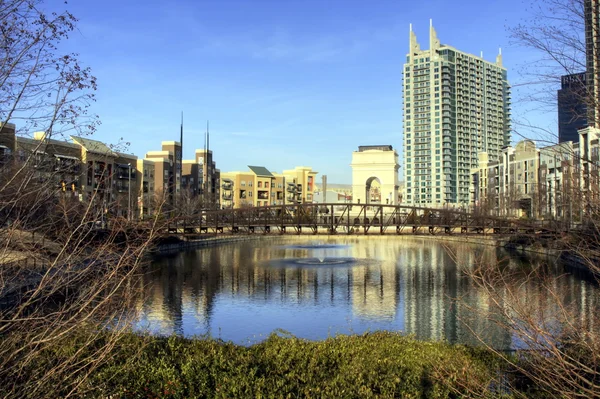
x=374, y=365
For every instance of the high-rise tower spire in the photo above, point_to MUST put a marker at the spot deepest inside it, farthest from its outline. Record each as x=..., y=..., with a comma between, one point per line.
x=434, y=42
x=414, y=45
x=499, y=57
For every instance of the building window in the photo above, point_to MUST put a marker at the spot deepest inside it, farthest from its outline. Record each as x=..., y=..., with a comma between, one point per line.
x=259, y=184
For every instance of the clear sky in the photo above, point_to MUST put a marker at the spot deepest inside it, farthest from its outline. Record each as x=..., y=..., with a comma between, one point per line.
x=283, y=82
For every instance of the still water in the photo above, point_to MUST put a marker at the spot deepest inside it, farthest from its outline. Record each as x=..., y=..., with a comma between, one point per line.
x=318, y=287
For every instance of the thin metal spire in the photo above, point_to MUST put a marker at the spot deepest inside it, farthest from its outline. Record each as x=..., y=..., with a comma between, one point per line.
x=181, y=139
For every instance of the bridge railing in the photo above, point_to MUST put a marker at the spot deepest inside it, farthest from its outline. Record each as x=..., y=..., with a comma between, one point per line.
x=348, y=217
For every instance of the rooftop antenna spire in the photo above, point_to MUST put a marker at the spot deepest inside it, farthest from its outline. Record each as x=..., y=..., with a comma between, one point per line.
x=181, y=138
x=180, y=153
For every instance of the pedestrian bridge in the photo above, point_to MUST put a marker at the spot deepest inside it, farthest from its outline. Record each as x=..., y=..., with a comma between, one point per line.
x=353, y=219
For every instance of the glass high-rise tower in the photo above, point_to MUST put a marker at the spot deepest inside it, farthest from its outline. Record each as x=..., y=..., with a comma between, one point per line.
x=455, y=106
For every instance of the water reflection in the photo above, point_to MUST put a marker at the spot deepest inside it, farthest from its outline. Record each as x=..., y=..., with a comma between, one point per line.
x=244, y=291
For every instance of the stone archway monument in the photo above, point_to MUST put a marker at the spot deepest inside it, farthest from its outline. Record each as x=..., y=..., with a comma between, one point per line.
x=375, y=175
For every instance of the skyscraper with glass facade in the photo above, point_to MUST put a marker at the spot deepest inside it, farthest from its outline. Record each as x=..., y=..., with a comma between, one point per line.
x=455, y=106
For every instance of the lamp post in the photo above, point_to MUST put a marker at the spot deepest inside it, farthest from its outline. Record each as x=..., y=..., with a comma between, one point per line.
x=129, y=194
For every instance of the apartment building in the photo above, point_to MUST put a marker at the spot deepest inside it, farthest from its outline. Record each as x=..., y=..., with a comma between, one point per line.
x=556, y=179
x=228, y=185
x=54, y=161
x=167, y=168
x=81, y=169
x=260, y=187
x=145, y=188
x=125, y=186
x=509, y=186
x=480, y=187
x=211, y=176
x=588, y=160
x=456, y=105
x=255, y=187
x=119, y=183
x=300, y=183
x=191, y=180
x=554, y=182
x=237, y=189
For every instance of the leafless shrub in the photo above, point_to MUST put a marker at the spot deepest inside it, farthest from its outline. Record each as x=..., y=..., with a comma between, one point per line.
x=65, y=279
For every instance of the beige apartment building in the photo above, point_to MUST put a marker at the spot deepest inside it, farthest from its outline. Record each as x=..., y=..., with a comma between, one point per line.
x=256, y=187
x=145, y=187
x=54, y=161
x=191, y=180
x=553, y=182
x=109, y=178
x=82, y=170
x=167, y=168
x=260, y=187
x=237, y=189
x=508, y=186
x=556, y=180
x=125, y=186
x=301, y=182
x=121, y=184
x=209, y=187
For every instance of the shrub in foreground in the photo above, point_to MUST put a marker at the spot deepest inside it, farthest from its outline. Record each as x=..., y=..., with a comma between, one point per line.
x=382, y=364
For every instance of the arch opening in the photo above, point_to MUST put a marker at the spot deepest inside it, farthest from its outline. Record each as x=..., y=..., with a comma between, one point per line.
x=373, y=190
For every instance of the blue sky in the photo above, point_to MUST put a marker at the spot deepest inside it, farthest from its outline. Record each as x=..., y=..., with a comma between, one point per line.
x=283, y=82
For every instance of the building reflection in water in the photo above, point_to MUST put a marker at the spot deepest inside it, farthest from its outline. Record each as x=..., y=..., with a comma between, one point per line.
x=236, y=292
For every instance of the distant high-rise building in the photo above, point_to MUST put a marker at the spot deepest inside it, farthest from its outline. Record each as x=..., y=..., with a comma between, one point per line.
x=455, y=106
x=592, y=44
x=572, y=107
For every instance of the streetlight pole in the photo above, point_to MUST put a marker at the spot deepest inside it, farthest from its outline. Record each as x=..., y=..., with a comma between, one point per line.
x=129, y=194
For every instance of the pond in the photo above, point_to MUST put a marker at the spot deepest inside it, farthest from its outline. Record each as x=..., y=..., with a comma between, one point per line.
x=315, y=287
